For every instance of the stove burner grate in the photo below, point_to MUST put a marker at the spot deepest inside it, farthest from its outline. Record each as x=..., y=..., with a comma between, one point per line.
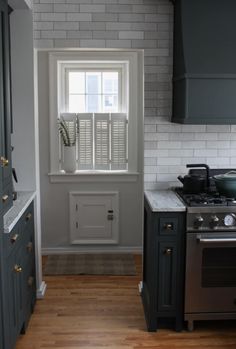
x=206, y=199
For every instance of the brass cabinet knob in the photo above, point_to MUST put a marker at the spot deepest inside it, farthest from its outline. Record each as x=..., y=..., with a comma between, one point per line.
x=4, y=161
x=30, y=281
x=4, y=198
x=17, y=268
x=168, y=226
x=28, y=217
x=168, y=251
x=29, y=247
x=14, y=238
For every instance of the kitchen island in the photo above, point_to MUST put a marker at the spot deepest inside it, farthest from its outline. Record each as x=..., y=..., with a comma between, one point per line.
x=163, y=259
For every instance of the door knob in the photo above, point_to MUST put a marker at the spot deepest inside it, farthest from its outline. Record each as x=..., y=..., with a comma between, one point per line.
x=28, y=217
x=168, y=251
x=4, y=198
x=168, y=226
x=14, y=238
x=17, y=269
x=4, y=161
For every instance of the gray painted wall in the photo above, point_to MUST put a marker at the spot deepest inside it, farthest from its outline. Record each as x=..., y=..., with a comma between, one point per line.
x=55, y=196
x=146, y=24
x=23, y=137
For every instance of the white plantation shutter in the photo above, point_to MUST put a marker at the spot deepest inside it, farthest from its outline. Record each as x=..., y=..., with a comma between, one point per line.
x=70, y=119
x=102, y=140
x=118, y=141
x=85, y=141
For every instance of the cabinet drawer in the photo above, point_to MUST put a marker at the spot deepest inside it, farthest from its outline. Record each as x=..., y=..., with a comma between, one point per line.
x=7, y=198
x=168, y=226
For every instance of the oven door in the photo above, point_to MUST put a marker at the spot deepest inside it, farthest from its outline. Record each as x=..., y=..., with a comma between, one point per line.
x=210, y=284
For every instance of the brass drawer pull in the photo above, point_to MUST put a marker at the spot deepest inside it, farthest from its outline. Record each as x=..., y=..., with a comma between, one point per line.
x=17, y=269
x=4, y=198
x=14, y=238
x=28, y=217
x=168, y=226
x=4, y=161
x=168, y=251
x=29, y=247
x=30, y=281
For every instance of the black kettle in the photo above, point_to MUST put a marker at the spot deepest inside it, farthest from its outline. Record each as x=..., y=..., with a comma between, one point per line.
x=195, y=183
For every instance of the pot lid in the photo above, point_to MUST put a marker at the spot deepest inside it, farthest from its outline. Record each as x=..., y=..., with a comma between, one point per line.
x=229, y=176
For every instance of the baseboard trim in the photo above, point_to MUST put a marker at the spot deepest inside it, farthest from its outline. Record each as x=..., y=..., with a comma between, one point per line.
x=99, y=249
x=41, y=291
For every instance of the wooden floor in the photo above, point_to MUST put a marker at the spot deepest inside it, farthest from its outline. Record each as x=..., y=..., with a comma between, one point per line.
x=105, y=312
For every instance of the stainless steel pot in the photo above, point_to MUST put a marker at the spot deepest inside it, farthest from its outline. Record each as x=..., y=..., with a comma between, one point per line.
x=226, y=184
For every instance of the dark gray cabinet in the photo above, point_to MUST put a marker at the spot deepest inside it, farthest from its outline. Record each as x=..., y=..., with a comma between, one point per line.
x=1, y=280
x=163, y=268
x=19, y=287
x=5, y=108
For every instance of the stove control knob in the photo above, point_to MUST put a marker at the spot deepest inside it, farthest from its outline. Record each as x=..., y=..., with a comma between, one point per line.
x=198, y=221
x=214, y=221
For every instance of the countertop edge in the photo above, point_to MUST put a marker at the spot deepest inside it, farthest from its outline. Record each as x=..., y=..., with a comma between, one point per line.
x=169, y=192
x=18, y=208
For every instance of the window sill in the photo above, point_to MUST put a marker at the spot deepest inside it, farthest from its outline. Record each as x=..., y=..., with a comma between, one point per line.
x=93, y=176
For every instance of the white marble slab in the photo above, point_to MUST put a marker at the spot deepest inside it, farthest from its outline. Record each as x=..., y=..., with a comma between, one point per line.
x=19, y=205
x=164, y=201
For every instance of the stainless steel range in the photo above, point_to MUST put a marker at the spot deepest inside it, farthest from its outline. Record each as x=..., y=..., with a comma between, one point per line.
x=210, y=284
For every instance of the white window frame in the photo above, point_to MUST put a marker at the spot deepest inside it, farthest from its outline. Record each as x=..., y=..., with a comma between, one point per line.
x=132, y=62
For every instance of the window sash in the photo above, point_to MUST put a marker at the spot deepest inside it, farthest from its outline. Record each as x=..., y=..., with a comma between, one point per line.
x=97, y=69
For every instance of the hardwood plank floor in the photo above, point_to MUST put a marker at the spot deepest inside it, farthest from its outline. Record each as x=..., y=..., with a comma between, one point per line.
x=91, y=312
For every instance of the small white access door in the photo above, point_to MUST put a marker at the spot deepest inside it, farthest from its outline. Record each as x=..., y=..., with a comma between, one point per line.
x=94, y=217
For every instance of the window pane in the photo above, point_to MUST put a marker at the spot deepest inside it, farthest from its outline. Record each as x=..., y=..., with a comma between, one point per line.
x=110, y=103
x=93, y=82
x=76, y=82
x=93, y=103
x=76, y=103
x=110, y=83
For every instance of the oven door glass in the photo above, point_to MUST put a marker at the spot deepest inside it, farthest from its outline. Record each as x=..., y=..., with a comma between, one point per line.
x=210, y=272
x=219, y=267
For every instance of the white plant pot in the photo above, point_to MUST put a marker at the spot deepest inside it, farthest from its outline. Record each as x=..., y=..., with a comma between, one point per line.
x=69, y=159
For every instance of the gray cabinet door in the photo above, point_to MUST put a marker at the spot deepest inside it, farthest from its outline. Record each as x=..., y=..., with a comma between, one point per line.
x=167, y=276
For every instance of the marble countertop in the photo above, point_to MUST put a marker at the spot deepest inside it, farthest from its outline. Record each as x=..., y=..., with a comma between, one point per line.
x=24, y=198
x=164, y=201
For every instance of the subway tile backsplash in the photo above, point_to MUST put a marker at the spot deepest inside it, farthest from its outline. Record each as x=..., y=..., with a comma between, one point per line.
x=145, y=24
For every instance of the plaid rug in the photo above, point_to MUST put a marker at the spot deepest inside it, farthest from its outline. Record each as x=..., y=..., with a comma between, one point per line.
x=90, y=264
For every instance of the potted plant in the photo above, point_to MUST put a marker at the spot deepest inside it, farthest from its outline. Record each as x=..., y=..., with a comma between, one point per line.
x=68, y=132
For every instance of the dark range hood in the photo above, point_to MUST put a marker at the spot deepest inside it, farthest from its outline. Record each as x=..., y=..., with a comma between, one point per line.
x=204, y=75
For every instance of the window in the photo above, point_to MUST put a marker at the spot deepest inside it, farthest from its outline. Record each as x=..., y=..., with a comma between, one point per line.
x=93, y=91
x=99, y=90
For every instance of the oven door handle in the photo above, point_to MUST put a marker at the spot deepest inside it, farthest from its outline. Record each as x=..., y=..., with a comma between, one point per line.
x=213, y=240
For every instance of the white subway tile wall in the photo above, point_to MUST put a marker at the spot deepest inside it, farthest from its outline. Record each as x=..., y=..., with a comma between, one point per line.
x=145, y=24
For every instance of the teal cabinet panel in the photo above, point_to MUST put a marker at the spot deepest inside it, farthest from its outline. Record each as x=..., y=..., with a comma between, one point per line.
x=163, y=268
x=18, y=284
